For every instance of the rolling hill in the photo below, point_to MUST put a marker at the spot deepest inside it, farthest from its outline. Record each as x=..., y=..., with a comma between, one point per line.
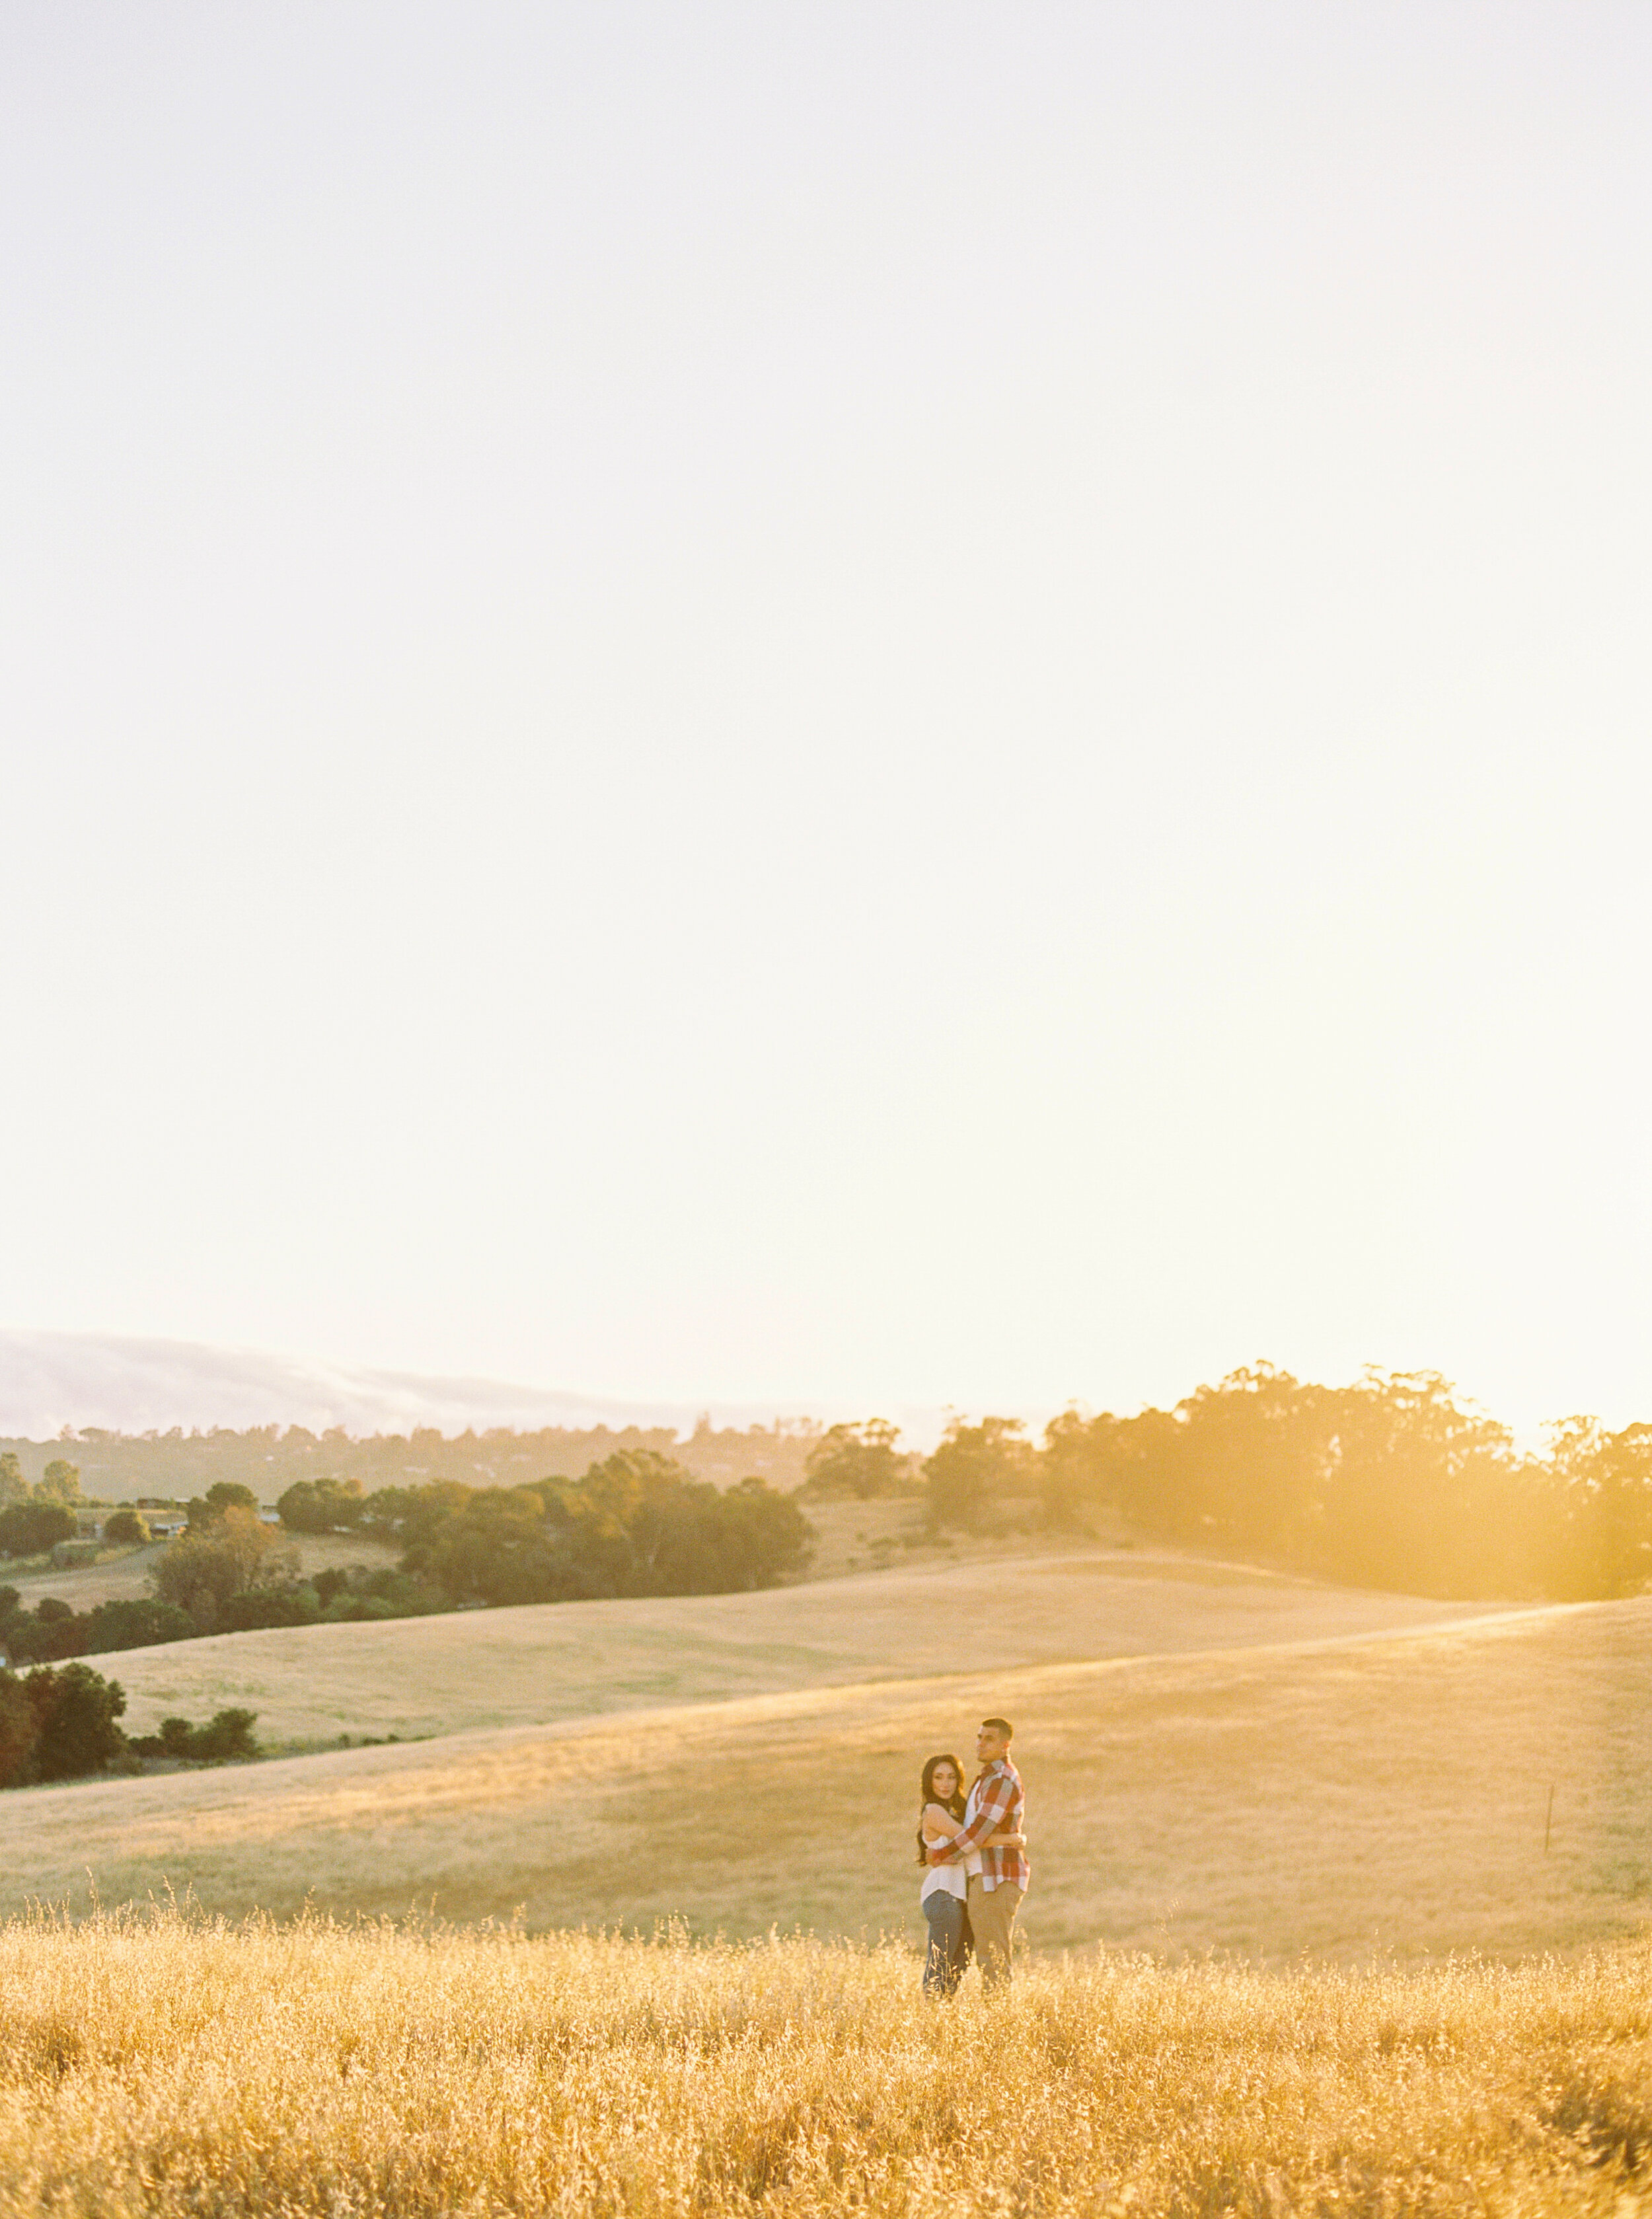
x=437, y=1676
x=1334, y=1792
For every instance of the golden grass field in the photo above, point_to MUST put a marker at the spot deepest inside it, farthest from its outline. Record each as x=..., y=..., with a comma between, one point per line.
x=499, y=1668
x=1234, y=1781
x=181, y=2071
x=1337, y=1797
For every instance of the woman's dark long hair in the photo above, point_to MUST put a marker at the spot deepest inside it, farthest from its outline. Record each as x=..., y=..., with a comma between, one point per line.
x=927, y=1794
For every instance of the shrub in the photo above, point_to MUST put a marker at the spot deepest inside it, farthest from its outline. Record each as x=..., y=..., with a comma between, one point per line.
x=226, y=1738
x=263, y=1606
x=29, y=1529
x=137, y=1624
x=349, y=1609
x=124, y=1529
x=321, y=1506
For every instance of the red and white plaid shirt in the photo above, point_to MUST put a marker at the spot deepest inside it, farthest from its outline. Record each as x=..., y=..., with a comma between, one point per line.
x=995, y=1801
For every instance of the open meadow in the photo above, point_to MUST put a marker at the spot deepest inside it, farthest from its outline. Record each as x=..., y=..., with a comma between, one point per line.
x=438, y=1675
x=158, y=2068
x=1337, y=1796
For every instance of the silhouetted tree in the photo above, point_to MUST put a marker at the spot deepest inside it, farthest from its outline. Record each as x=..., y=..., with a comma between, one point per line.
x=975, y=1468
x=857, y=1462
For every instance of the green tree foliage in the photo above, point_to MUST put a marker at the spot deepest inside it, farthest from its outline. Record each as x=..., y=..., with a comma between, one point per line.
x=201, y=1571
x=636, y=1524
x=226, y=1738
x=978, y=1471
x=53, y=1631
x=857, y=1462
x=124, y=1529
x=413, y=1515
x=29, y=1529
x=321, y=1506
x=59, y=1481
x=14, y=1488
x=19, y=1733
x=254, y=1607
x=75, y=1711
x=135, y=1622
x=205, y=1510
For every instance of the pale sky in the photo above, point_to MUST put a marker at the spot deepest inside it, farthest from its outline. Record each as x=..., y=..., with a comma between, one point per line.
x=839, y=705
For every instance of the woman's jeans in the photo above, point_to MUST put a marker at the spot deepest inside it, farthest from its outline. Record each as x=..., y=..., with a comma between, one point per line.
x=949, y=1942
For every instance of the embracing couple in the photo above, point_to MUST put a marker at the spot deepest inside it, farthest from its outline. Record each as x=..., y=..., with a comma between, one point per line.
x=975, y=1858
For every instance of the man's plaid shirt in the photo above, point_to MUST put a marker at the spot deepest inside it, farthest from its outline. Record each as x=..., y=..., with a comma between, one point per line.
x=995, y=1801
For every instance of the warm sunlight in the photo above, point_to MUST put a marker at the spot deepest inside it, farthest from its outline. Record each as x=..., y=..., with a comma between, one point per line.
x=825, y=1343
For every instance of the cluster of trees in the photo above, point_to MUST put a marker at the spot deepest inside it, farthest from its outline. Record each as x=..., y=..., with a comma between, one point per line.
x=1390, y=1482
x=33, y=1519
x=858, y=1463
x=62, y=1722
x=637, y=1524
x=54, y=1629
x=57, y=1723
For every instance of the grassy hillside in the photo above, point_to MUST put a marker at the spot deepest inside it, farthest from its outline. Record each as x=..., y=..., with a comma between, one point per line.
x=432, y=1676
x=1388, y=1792
x=171, y=2073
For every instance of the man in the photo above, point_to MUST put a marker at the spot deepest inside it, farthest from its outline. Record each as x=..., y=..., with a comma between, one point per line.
x=995, y=1801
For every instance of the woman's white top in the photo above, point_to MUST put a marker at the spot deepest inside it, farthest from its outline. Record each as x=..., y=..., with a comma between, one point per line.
x=953, y=1878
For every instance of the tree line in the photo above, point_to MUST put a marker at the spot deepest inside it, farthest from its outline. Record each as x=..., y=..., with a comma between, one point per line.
x=267, y=1459
x=637, y=1524
x=1390, y=1482
x=62, y=1722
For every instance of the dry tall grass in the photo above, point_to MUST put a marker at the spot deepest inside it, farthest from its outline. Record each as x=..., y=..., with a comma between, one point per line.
x=164, y=2069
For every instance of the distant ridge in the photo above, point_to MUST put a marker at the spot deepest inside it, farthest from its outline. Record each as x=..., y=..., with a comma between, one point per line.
x=49, y=1381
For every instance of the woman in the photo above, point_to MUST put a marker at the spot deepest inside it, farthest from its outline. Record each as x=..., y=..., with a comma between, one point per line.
x=944, y=1896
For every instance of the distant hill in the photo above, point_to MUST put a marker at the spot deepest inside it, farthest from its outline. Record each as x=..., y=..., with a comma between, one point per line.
x=51, y=1380
x=164, y=1417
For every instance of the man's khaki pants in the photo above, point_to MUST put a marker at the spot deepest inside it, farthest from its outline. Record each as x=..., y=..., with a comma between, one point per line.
x=992, y=1916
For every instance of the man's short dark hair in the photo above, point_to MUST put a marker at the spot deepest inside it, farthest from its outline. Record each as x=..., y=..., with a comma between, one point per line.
x=1002, y=1725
